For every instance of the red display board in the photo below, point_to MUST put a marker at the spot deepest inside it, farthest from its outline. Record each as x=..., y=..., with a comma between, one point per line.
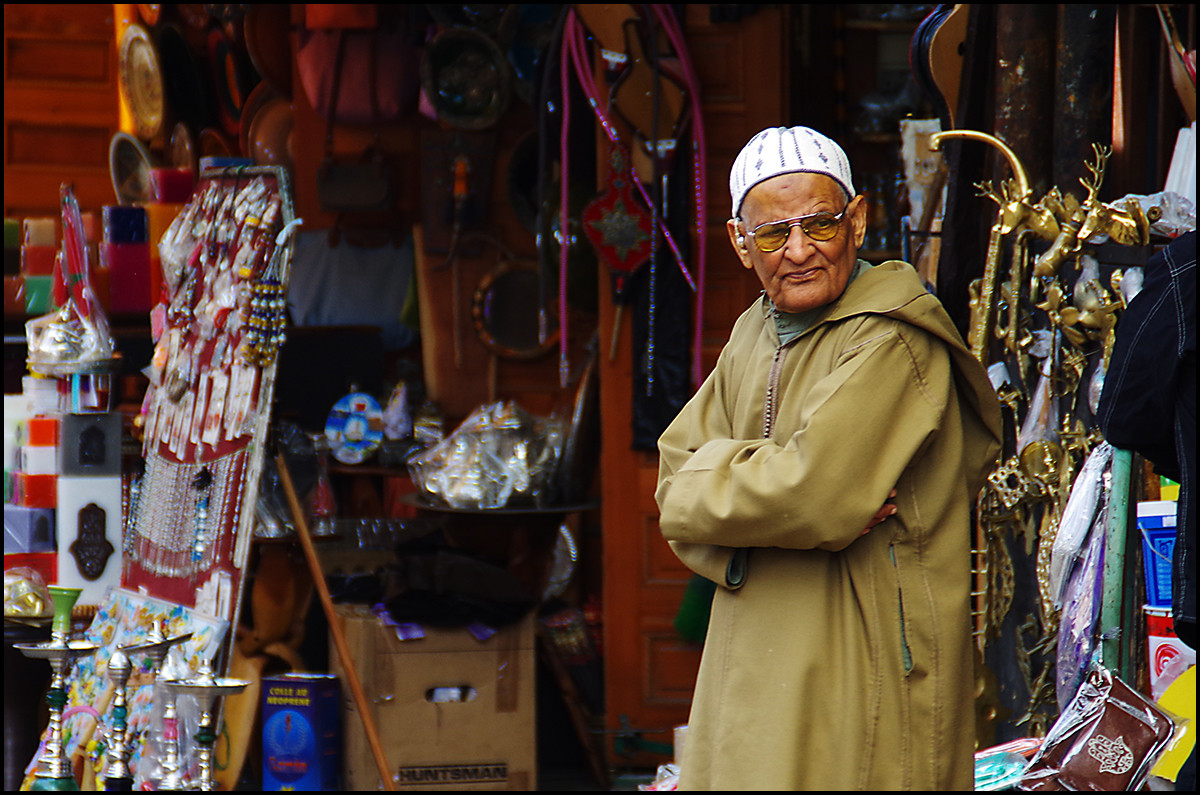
x=226, y=260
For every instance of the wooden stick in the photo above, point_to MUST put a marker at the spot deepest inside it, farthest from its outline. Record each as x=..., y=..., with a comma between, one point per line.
x=335, y=626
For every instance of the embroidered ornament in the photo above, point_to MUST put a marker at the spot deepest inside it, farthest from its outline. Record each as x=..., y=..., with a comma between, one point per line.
x=616, y=224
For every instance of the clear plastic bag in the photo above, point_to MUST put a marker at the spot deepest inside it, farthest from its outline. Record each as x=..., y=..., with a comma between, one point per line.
x=500, y=455
x=26, y=594
x=1088, y=494
x=1107, y=739
x=1080, y=611
x=74, y=338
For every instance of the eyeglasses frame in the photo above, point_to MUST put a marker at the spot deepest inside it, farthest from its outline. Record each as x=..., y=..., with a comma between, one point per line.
x=797, y=221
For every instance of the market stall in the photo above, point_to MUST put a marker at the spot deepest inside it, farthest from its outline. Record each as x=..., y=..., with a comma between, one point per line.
x=333, y=410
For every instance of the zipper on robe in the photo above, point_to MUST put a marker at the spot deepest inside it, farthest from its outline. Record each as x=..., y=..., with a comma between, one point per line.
x=771, y=398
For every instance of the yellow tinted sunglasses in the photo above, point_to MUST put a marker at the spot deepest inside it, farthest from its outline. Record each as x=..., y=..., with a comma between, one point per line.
x=821, y=226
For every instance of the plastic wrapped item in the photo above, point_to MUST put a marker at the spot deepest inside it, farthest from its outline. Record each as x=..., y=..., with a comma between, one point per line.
x=1078, y=517
x=26, y=595
x=1132, y=280
x=1077, y=636
x=666, y=779
x=321, y=504
x=75, y=338
x=998, y=772
x=1039, y=425
x=500, y=456
x=1107, y=739
x=427, y=425
x=397, y=420
x=1168, y=213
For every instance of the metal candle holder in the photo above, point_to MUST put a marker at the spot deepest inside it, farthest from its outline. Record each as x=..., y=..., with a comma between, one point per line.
x=206, y=688
x=53, y=769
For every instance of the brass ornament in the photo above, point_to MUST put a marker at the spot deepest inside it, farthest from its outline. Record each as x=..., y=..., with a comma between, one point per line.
x=1041, y=316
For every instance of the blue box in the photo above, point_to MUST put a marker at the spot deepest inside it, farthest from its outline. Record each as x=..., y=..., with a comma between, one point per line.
x=301, y=734
x=1156, y=522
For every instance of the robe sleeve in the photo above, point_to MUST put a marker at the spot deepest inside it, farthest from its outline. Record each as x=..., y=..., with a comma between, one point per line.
x=861, y=427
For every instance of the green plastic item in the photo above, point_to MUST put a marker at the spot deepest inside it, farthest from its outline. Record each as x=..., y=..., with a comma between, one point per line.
x=1116, y=610
x=39, y=295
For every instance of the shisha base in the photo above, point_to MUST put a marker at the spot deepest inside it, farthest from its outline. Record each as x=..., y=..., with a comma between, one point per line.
x=67, y=784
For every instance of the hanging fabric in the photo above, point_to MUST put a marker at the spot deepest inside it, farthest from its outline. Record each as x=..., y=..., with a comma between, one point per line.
x=618, y=69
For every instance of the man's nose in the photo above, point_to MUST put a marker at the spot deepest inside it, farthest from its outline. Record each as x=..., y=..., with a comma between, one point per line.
x=798, y=244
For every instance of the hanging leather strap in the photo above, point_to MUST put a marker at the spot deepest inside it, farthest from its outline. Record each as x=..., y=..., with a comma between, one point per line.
x=336, y=88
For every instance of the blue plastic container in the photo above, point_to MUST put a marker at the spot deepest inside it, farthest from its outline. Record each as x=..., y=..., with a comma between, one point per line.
x=1156, y=522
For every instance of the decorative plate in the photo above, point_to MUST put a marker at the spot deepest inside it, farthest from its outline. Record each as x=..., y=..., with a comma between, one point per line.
x=354, y=428
x=142, y=81
x=129, y=165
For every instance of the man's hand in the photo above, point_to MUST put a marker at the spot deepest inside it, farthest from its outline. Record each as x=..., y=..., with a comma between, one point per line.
x=888, y=509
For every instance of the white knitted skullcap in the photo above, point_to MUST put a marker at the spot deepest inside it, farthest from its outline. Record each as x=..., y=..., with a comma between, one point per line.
x=787, y=150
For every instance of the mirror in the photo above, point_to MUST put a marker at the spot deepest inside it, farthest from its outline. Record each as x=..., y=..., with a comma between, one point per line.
x=508, y=312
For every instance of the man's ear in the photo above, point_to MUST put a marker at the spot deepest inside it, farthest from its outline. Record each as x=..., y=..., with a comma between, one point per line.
x=858, y=220
x=737, y=239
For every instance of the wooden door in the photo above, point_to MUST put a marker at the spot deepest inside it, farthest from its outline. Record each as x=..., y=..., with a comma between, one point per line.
x=650, y=672
x=60, y=105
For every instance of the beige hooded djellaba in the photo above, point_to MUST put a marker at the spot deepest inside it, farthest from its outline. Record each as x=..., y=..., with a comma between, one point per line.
x=834, y=660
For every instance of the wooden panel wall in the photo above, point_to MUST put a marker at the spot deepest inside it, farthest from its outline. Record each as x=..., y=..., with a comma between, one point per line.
x=60, y=105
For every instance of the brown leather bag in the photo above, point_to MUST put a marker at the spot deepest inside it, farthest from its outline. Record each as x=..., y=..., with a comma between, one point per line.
x=362, y=185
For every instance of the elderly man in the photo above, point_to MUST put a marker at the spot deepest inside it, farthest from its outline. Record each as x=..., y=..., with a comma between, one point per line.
x=836, y=658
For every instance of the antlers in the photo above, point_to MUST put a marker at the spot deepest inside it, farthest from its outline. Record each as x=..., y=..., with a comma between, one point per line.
x=1092, y=186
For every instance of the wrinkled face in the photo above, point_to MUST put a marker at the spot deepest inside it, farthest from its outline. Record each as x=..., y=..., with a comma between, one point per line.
x=804, y=273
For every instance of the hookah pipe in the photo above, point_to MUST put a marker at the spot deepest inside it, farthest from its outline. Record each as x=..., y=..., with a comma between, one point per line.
x=52, y=769
x=118, y=777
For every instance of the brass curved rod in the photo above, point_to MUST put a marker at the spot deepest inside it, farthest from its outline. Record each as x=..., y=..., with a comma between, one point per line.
x=1022, y=182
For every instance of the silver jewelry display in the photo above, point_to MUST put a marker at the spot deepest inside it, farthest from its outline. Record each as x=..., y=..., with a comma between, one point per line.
x=177, y=513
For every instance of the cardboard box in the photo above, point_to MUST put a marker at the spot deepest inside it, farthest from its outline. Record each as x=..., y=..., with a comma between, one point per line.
x=88, y=527
x=43, y=431
x=453, y=712
x=301, y=734
x=44, y=563
x=35, y=491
